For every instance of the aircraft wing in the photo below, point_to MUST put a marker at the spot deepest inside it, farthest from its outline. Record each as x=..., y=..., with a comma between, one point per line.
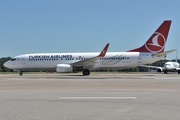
x=90, y=61
x=156, y=67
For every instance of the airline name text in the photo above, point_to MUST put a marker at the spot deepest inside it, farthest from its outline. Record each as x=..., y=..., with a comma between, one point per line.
x=49, y=56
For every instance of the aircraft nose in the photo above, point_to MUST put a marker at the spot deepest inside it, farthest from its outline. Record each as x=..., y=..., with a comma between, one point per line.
x=166, y=66
x=6, y=64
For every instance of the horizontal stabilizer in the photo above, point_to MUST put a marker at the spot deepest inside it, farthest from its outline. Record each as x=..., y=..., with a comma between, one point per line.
x=162, y=53
x=148, y=66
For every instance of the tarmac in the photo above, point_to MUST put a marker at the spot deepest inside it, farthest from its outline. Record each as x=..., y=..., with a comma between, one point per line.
x=127, y=96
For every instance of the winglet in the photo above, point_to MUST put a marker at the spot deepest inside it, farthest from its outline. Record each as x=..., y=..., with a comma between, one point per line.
x=103, y=52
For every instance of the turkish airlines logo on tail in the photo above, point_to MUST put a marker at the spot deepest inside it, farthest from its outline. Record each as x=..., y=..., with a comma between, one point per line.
x=156, y=43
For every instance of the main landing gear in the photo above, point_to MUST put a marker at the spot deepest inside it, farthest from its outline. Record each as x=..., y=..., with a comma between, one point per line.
x=86, y=72
x=20, y=73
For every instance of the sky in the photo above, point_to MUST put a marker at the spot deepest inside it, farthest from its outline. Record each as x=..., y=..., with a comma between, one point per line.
x=60, y=26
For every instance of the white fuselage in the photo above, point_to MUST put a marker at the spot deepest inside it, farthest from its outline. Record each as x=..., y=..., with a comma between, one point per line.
x=171, y=65
x=49, y=61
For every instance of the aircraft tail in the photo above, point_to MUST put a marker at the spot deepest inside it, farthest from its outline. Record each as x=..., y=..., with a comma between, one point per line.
x=156, y=43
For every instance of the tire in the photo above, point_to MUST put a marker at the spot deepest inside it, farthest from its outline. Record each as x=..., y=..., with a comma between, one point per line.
x=86, y=72
x=21, y=73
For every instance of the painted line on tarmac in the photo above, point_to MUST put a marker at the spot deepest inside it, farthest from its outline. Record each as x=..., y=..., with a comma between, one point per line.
x=97, y=98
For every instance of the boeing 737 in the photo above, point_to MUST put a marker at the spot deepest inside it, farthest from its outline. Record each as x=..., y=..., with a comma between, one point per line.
x=151, y=51
x=168, y=66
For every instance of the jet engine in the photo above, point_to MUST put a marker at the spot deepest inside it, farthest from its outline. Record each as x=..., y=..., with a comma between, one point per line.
x=64, y=68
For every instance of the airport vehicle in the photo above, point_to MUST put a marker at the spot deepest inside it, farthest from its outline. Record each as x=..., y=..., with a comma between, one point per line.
x=168, y=66
x=151, y=51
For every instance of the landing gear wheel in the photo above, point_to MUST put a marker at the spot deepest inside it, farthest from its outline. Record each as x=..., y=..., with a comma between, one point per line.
x=21, y=73
x=165, y=72
x=86, y=72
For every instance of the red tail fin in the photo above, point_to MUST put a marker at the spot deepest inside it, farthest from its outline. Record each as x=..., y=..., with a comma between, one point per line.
x=156, y=43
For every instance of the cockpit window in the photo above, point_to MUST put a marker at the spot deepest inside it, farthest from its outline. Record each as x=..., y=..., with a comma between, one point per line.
x=13, y=59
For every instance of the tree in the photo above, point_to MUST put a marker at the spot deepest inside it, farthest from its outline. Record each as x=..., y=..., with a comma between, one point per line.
x=2, y=68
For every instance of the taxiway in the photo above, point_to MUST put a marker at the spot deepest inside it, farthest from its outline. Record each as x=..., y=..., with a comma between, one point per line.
x=95, y=97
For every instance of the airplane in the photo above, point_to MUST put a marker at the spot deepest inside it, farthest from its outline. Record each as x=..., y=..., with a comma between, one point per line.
x=168, y=66
x=151, y=51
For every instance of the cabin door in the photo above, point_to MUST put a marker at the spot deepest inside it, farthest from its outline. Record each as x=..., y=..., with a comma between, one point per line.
x=139, y=58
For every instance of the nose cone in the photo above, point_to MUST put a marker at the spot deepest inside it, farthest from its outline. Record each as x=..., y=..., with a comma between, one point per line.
x=166, y=66
x=6, y=64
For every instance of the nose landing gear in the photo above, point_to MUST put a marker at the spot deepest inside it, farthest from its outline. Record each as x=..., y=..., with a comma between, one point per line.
x=20, y=73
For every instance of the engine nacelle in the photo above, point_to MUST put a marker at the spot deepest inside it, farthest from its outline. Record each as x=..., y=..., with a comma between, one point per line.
x=159, y=70
x=64, y=68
